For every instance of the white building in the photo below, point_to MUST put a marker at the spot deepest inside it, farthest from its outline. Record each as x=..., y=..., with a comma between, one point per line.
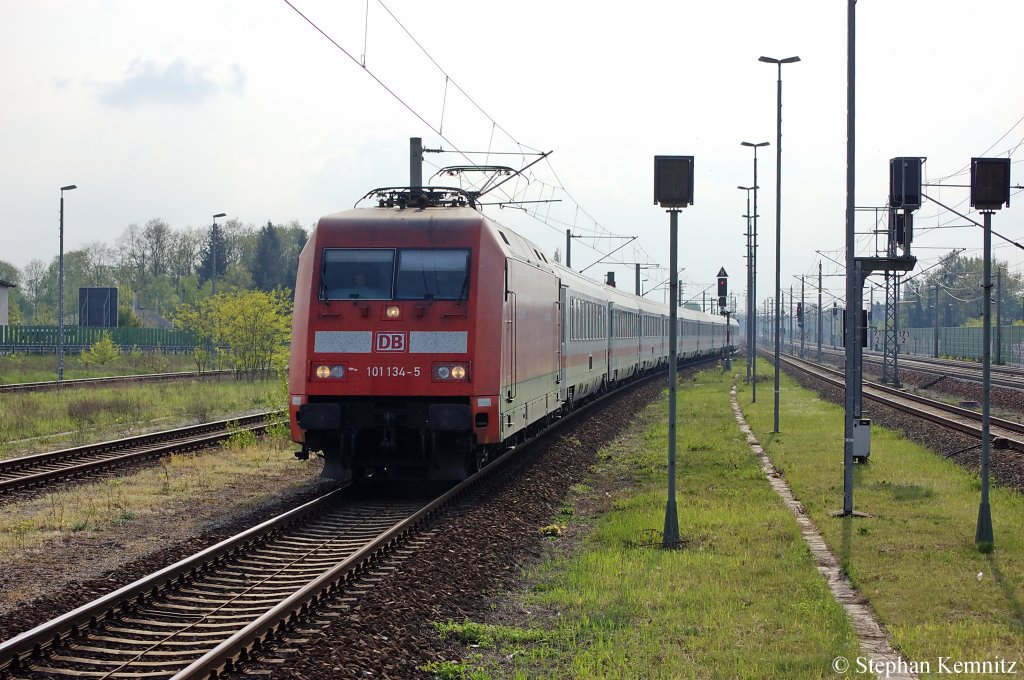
x=5, y=307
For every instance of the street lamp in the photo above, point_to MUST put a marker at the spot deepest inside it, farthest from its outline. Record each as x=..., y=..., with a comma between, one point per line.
x=214, y=285
x=60, y=301
x=778, y=224
x=753, y=275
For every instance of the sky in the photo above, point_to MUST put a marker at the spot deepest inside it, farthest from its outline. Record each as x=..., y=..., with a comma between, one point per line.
x=180, y=110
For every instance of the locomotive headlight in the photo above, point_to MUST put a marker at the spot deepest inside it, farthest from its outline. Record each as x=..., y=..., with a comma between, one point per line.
x=451, y=372
x=325, y=371
x=393, y=312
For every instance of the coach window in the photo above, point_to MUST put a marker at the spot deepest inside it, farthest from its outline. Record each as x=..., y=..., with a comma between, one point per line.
x=433, y=274
x=357, y=273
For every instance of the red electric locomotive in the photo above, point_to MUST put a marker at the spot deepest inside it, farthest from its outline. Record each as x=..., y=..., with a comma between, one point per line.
x=427, y=337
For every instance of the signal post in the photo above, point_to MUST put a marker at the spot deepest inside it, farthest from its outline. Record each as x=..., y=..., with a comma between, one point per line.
x=673, y=189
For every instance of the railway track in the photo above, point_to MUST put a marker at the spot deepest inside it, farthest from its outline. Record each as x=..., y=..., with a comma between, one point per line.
x=48, y=385
x=56, y=466
x=1008, y=377
x=205, y=615
x=211, y=610
x=1004, y=433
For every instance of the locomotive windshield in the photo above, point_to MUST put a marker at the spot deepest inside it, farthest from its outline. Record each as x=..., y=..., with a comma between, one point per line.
x=432, y=274
x=370, y=274
x=357, y=273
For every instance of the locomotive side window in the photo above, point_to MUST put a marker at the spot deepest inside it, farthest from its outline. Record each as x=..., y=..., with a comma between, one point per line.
x=433, y=274
x=357, y=273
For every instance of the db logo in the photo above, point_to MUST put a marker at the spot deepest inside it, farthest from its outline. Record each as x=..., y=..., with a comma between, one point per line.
x=389, y=342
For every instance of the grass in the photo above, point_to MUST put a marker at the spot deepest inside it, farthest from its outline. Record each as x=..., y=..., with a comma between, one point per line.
x=22, y=368
x=180, y=483
x=93, y=414
x=742, y=599
x=915, y=558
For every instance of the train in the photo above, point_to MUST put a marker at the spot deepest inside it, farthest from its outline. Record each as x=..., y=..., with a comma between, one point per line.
x=428, y=338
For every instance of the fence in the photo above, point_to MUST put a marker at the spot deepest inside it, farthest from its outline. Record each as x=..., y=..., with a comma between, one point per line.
x=964, y=343
x=76, y=338
x=956, y=342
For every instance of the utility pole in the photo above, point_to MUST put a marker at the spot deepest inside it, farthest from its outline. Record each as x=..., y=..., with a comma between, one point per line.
x=792, y=336
x=871, y=316
x=935, y=351
x=751, y=321
x=819, y=311
x=803, y=315
x=60, y=295
x=852, y=284
x=983, y=536
x=753, y=270
x=999, y=316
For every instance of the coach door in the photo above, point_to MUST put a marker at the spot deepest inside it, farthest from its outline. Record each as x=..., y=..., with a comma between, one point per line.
x=613, y=328
x=560, y=339
x=509, y=349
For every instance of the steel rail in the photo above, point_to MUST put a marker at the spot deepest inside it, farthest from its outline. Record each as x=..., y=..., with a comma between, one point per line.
x=1010, y=377
x=47, y=385
x=1005, y=433
x=54, y=632
x=45, y=468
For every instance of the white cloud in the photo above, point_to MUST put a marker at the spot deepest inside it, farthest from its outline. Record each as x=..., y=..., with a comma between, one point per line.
x=177, y=83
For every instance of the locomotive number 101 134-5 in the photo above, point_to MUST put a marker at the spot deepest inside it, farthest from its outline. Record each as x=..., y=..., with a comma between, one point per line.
x=393, y=371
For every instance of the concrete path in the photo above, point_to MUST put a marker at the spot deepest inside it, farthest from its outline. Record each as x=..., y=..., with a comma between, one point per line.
x=878, y=654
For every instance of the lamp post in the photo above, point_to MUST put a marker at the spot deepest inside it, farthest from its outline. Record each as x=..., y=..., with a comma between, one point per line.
x=213, y=287
x=778, y=223
x=753, y=274
x=60, y=300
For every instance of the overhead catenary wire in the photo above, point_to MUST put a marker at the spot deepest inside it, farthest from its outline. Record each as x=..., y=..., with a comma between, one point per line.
x=983, y=153
x=535, y=214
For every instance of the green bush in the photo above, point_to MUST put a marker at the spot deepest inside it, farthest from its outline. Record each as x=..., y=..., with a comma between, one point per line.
x=102, y=352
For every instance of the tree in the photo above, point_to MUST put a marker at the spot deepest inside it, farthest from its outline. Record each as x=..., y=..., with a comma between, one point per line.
x=958, y=280
x=9, y=273
x=915, y=312
x=102, y=352
x=31, y=284
x=126, y=317
x=267, y=272
x=216, y=245
x=293, y=239
x=76, y=275
x=157, y=240
x=159, y=295
x=101, y=265
x=133, y=255
x=184, y=253
x=249, y=329
x=276, y=258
